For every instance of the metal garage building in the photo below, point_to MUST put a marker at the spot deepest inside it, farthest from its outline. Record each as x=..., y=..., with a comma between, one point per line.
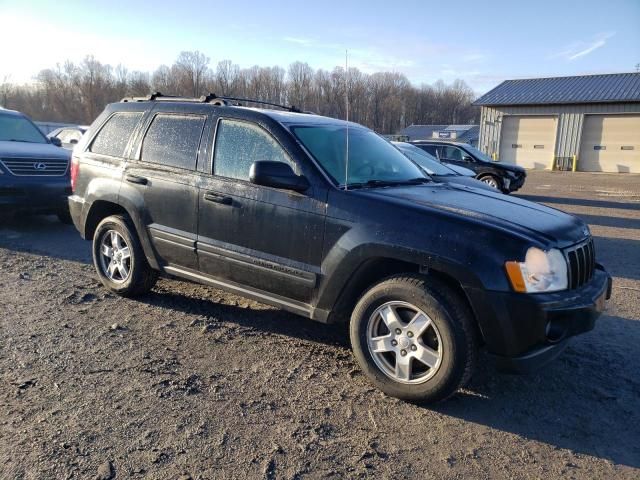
x=588, y=123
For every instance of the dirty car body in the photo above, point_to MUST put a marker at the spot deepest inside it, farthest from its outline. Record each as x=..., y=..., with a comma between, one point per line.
x=314, y=240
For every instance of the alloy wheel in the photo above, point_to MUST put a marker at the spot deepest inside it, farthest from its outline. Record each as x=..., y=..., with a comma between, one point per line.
x=492, y=182
x=115, y=257
x=404, y=342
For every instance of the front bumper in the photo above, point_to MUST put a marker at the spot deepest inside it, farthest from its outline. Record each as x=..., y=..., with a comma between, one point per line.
x=525, y=331
x=515, y=183
x=34, y=196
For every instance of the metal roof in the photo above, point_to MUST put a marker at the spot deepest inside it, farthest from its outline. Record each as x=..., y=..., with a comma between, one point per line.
x=464, y=133
x=613, y=87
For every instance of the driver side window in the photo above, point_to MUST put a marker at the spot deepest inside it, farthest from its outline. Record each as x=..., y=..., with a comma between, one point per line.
x=239, y=144
x=451, y=153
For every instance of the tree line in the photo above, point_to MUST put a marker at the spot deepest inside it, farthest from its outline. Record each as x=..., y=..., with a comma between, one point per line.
x=384, y=101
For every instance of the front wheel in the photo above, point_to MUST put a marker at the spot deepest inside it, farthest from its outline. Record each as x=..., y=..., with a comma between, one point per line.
x=119, y=259
x=414, y=339
x=492, y=181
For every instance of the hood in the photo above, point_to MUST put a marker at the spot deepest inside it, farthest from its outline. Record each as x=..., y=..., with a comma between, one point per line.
x=529, y=220
x=509, y=166
x=464, y=181
x=32, y=150
x=460, y=170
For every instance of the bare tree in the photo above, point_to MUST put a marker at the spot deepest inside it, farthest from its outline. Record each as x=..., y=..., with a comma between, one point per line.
x=384, y=101
x=193, y=67
x=299, y=84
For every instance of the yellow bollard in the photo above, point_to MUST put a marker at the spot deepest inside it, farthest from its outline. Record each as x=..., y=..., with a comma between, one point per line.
x=575, y=164
x=553, y=163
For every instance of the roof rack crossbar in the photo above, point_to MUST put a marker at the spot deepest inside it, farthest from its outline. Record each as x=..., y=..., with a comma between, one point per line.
x=291, y=108
x=209, y=98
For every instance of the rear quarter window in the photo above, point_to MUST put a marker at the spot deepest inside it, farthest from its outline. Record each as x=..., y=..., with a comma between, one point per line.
x=173, y=140
x=113, y=137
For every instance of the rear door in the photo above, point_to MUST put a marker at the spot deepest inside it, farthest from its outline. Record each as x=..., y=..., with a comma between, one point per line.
x=165, y=175
x=265, y=238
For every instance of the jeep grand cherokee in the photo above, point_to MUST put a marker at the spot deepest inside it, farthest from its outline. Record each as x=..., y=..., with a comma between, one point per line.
x=272, y=205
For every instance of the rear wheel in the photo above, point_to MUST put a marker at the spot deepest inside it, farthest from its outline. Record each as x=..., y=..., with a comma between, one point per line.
x=414, y=338
x=492, y=181
x=119, y=259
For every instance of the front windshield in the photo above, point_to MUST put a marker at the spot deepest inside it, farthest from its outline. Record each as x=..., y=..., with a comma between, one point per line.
x=372, y=159
x=478, y=154
x=428, y=162
x=18, y=129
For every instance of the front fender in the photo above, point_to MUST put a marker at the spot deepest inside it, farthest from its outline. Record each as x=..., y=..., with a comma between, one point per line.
x=341, y=267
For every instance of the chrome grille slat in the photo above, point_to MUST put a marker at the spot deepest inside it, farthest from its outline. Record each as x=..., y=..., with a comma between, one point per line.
x=581, y=260
x=26, y=167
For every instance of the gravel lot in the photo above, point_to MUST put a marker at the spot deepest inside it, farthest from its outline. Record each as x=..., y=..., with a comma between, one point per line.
x=192, y=382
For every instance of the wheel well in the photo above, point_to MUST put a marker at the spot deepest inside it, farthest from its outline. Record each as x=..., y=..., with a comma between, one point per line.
x=100, y=210
x=375, y=270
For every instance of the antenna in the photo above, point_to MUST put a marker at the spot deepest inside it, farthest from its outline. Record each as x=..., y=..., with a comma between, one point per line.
x=346, y=97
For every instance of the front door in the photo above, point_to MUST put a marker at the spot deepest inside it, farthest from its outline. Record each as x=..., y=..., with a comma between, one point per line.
x=453, y=155
x=265, y=238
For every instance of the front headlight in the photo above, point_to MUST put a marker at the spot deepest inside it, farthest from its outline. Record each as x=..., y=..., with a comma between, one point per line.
x=540, y=272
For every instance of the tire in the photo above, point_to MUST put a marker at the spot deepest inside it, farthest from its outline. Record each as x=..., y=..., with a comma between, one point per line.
x=450, y=335
x=64, y=216
x=492, y=181
x=131, y=275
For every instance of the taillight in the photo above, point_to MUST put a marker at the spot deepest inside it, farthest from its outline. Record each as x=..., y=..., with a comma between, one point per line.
x=75, y=169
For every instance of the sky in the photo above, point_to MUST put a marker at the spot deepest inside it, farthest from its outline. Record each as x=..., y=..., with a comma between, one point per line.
x=482, y=43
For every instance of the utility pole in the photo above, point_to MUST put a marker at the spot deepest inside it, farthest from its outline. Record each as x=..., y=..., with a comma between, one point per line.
x=637, y=67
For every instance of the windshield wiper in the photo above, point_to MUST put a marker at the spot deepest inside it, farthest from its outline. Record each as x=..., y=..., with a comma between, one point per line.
x=16, y=140
x=387, y=183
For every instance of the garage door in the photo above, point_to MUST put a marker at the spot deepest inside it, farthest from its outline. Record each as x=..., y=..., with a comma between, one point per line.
x=528, y=141
x=610, y=143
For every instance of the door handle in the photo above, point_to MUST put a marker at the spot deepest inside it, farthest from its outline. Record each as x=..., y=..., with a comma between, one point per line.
x=217, y=198
x=136, y=180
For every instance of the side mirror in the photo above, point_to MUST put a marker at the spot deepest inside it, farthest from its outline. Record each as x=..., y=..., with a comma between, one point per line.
x=277, y=175
x=467, y=158
x=55, y=141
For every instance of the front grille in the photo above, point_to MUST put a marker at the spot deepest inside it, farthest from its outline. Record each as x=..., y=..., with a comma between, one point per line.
x=36, y=167
x=582, y=262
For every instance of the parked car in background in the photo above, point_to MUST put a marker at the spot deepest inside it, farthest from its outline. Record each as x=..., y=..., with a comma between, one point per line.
x=272, y=206
x=34, y=170
x=439, y=171
x=504, y=177
x=68, y=136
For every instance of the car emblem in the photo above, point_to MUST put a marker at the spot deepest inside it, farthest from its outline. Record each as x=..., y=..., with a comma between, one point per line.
x=39, y=166
x=585, y=231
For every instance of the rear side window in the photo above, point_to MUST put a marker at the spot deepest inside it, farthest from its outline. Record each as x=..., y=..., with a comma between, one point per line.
x=431, y=149
x=239, y=144
x=114, y=136
x=173, y=140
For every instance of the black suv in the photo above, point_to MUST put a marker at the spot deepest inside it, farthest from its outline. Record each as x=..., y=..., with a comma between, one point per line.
x=505, y=177
x=271, y=205
x=34, y=171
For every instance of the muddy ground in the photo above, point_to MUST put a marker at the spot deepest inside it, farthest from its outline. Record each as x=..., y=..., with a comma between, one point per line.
x=192, y=382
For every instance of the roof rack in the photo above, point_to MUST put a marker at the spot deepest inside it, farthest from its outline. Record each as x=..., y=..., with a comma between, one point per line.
x=209, y=98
